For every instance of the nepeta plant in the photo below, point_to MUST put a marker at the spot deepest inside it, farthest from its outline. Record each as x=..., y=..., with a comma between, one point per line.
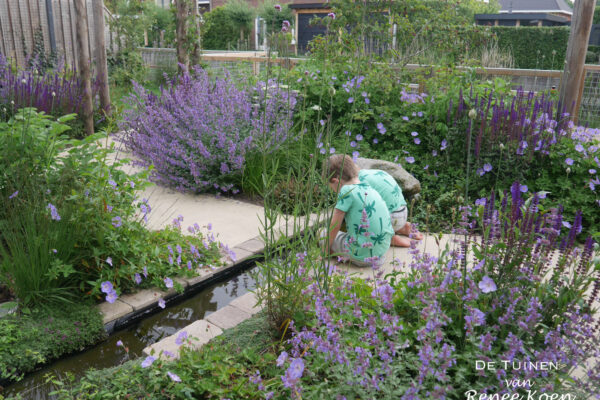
x=198, y=132
x=419, y=335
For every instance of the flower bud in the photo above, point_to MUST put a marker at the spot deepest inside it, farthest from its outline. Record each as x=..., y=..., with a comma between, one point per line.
x=568, y=170
x=473, y=113
x=23, y=81
x=501, y=146
x=331, y=91
x=53, y=94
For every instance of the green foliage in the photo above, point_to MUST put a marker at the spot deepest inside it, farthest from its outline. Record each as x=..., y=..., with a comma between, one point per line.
x=219, y=369
x=42, y=335
x=130, y=20
x=240, y=14
x=426, y=30
x=162, y=24
x=597, y=15
x=593, y=55
x=126, y=66
x=97, y=231
x=218, y=31
x=274, y=18
x=534, y=47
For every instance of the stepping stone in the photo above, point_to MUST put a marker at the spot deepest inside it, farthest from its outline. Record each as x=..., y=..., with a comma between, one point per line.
x=246, y=303
x=114, y=311
x=228, y=317
x=198, y=334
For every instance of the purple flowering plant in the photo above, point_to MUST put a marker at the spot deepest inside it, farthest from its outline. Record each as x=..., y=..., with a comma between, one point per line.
x=515, y=293
x=56, y=92
x=198, y=132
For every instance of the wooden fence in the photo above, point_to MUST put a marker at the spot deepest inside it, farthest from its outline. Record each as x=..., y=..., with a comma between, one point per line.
x=45, y=24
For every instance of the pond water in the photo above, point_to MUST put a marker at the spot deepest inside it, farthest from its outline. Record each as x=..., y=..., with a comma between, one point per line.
x=137, y=336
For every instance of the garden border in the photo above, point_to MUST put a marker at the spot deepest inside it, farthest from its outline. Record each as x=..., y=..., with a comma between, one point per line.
x=123, y=313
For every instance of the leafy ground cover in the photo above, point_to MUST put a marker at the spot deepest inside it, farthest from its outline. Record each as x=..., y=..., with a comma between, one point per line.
x=37, y=336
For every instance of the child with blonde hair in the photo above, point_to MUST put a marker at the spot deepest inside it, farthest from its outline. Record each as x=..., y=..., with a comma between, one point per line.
x=369, y=228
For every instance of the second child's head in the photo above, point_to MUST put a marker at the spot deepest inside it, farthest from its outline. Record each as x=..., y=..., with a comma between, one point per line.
x=339, y=170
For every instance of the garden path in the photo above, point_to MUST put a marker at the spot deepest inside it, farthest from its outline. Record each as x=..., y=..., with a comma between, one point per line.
x=233, y=221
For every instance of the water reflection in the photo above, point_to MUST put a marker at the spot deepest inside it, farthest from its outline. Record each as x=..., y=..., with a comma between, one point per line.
x=135, y=337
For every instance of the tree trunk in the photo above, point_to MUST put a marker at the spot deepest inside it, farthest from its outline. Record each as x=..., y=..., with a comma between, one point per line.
x=572, y=80
x=197, y=50
x=181, y=33
x=84, y=65
x=100, y=55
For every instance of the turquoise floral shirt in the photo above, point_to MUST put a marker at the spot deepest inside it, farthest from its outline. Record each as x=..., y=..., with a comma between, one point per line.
x=367, y=220
x=386, y=186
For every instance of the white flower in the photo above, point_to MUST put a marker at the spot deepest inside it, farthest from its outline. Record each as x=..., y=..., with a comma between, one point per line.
x=23, y=81
x=316, y=108
x=473, y=113
x=53, y=94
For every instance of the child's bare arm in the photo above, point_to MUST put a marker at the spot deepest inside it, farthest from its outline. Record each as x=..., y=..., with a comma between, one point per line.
x=334, y=227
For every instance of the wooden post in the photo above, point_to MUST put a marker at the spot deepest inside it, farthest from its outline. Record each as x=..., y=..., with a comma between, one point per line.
x=84, y=65
x=181, y=34
x=581, y=25
x=100, y=56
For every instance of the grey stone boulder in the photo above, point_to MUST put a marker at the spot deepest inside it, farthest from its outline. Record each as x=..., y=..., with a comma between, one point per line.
x=411, y=187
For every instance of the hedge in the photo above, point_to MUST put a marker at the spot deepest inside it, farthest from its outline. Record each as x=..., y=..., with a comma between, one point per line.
x=532, y=47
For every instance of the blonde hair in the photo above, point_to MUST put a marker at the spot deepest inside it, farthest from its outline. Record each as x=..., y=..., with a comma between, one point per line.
x=340, y=166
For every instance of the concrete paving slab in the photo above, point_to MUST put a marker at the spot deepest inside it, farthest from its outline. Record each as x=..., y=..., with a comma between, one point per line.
x=198, y=334
x=254, y=245
x=241, y=254
x=143, y=298
x=114, y=311
x=399, y=258
x=202, y=275
x=228, y=317
x=246, y=303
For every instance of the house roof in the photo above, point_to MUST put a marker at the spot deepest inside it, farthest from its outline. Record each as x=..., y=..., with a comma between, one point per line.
x=535, y=6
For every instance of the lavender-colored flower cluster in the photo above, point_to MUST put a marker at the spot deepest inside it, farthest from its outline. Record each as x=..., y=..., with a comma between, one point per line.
x=198, y=132
x=56, y=92
x=418, y=335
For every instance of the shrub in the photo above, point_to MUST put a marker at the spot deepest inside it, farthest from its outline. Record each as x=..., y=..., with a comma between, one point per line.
x=55, y=92
x=197, y=133
x=415, y=334
x=218, y=31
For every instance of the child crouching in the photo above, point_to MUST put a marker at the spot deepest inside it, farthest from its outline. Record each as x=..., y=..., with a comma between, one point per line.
x=364, y=211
